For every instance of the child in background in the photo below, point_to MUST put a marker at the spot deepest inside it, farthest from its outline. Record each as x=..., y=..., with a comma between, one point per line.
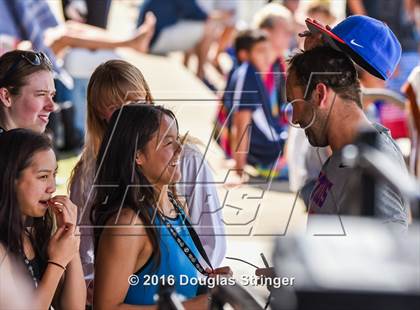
x=256, y=133
x=279, y=23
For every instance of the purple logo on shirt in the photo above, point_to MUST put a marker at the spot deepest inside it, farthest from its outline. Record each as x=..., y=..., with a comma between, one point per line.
x=320, y=192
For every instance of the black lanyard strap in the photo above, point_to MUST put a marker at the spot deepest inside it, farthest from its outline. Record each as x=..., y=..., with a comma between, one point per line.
x=182, y=244
x=193, y=233
x=184, y=247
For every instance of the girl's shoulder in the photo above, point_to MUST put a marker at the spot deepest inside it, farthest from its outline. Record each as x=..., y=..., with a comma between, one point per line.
x=125, y=216
x=126, y=221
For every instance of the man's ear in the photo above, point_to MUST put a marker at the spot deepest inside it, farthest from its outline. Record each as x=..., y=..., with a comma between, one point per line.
x=5, y=97
x=139, y=158
x=321, y=93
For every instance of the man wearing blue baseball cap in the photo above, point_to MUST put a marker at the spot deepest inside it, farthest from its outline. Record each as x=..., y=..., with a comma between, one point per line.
x=370, y=43
x=324, y=89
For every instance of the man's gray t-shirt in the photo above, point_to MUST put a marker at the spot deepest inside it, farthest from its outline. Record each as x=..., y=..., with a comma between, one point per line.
x=333, y=195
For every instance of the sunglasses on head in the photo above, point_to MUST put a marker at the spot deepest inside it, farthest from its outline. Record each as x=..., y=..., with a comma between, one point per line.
x=34, y=58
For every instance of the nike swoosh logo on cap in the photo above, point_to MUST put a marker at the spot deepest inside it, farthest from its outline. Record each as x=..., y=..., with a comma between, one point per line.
x=354, y=43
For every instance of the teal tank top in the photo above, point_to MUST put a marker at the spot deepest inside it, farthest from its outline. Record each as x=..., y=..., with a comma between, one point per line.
x=173, y=263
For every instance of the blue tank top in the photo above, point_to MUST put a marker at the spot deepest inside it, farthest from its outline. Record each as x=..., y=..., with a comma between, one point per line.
x=173, y=263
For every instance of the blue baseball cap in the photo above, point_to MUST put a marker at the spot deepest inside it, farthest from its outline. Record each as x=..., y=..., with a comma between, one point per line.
x=369, y=42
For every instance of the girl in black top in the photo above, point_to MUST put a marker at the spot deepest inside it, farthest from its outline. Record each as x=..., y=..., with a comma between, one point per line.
x=27, y=184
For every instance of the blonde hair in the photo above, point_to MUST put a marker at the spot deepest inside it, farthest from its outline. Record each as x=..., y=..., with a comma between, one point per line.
x=268, y=14
x=112, y=84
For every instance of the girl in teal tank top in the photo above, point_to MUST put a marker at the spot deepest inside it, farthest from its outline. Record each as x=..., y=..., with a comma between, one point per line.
x=137, y=162
x=174, y=266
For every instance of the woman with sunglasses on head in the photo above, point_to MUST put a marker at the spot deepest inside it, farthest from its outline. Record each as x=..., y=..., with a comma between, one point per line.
x=112, y=85
x=26, y=90
x=50, y=259
x=141, y=231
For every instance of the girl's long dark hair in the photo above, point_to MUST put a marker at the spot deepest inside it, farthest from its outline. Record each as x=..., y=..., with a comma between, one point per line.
x=17, y=148
x=119, y=183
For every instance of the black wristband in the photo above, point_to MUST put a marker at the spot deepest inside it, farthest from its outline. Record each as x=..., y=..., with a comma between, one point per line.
x=57, y=264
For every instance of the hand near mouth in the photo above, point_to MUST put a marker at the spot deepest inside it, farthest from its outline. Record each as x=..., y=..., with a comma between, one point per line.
x=64, y=210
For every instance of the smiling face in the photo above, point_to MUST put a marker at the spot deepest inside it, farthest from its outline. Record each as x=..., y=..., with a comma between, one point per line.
x=32, y=106
x=36, y=184
x=159, y=161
